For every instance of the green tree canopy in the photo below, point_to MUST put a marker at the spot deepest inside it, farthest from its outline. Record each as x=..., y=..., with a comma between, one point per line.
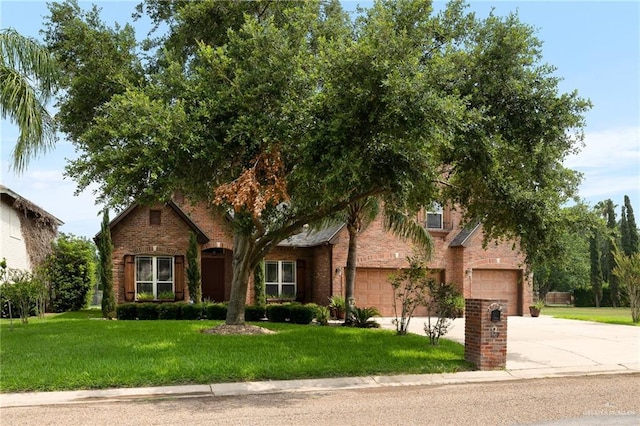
x=285, y=112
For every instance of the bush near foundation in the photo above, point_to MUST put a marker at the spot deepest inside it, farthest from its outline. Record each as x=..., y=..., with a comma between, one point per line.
x=168, y=311
x=147, y=311
x=216, y=311
x=190, y=311
x=253, y=313
x=126, y=311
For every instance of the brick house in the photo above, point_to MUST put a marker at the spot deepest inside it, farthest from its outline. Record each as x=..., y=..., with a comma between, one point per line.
x=150, y=245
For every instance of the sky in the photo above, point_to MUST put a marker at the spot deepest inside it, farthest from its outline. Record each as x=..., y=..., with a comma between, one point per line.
x=595, y=46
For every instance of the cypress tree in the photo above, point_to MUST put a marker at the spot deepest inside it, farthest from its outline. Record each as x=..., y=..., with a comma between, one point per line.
x=193, y=270
x=596, y=274
x=105, y=249
x=625, y=235
x=634, y=247
x=259, y=285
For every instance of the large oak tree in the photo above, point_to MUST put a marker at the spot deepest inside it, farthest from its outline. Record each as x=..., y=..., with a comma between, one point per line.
x=281, y=113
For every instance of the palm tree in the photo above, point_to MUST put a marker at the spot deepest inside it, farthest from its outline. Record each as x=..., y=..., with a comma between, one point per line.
x=27, y=82
x=358, y=216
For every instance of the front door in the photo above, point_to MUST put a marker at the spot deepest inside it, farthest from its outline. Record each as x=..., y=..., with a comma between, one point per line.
x=213, y=279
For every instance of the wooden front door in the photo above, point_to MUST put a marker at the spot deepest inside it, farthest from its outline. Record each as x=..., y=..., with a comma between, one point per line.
x=213, y=279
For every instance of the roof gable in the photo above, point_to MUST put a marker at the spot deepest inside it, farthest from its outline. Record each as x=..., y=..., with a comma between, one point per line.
x=18, y=202
x=201, y=237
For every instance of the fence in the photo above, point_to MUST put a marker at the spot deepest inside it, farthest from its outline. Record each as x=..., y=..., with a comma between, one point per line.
x=558, y=298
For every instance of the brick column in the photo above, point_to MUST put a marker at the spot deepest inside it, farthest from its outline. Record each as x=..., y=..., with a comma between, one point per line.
x=485, y=341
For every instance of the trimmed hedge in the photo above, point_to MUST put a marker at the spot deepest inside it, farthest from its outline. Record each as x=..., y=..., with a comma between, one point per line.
x=302, y=314
x=254, y=313
x=147, y=311
x=127, y=311
x=278, y=312
x=293, y=312
x=190, y=311
x=216, y=311
x=168, y=311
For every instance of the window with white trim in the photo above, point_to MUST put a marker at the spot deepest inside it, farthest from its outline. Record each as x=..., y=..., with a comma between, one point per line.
x=154, y=274
x=280, y=278
x=434, y=217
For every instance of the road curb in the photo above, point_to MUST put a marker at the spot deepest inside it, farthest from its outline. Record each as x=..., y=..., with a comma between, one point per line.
x=309, y=385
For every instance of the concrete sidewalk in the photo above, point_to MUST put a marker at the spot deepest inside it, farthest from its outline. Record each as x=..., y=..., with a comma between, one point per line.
x=536, y=348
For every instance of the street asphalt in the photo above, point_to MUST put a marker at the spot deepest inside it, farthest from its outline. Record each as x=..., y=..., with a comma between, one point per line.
x=540, y=347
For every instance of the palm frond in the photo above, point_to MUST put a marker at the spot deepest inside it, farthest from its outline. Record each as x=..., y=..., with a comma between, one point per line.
x=27, y=82
x=406, y=227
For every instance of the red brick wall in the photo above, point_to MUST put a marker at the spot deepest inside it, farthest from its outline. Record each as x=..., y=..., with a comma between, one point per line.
x=133, y=235
x=485, y=342
x=380, y=249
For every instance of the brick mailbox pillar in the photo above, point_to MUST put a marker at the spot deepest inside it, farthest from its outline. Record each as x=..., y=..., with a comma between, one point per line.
x=485, y=333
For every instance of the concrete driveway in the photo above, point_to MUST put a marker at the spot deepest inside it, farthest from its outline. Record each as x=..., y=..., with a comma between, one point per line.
x=546, y=342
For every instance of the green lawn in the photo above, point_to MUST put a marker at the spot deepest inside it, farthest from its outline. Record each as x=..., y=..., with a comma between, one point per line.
x=72, y=351
x=607, y=315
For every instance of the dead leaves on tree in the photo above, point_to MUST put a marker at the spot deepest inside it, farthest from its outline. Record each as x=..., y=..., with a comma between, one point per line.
x=257, y=187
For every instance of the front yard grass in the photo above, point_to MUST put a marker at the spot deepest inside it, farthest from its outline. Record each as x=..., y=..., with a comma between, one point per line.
x=75, y=351
x=606, y=315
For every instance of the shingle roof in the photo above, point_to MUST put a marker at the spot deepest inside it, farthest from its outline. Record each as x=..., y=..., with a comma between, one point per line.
x=312, y=238
x=463, y=236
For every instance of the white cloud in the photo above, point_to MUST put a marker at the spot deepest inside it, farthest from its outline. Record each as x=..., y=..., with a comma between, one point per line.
x=610, y=163
x=608, y=149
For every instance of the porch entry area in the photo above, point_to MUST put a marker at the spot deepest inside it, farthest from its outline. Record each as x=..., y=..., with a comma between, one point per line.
x=215, y=264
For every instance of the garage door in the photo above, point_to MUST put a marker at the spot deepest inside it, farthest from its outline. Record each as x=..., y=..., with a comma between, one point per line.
x=497, y=284
x=373, y=289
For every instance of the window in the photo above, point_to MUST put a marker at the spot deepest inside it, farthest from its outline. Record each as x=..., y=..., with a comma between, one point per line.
x=154, y=275
x=434, y=217
x=155, y=217
x=280, y=278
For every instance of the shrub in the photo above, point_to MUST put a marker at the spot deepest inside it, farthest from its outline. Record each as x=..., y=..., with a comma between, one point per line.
x=127, y=311
x=361, y=317
x=72, y=270
x=302, y=314
x=253, y=313
x=25, y=291
x=216, y=311
x=278, y=312
x=105, y=268
x=147, y=311
x=194, y=281
x=323, y=315
x=191, y=311
x=583, y=297
x=410, y=290
x=168, y=311
x=445, y=302
x=337, y=306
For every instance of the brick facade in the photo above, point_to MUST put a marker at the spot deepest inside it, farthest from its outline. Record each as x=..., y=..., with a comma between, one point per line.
x=485, y=339
x=321, y=266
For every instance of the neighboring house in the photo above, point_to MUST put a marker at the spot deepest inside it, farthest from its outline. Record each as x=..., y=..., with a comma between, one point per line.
x=150, y=245
x=26, y=231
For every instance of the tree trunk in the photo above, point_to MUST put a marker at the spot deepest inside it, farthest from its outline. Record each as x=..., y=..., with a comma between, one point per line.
x=350, y=274
x=243, y=246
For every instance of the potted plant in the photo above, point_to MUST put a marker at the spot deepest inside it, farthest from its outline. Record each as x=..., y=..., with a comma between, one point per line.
x=535, y=309
x=337, y=306
x=144, y=296
x=167, y=296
